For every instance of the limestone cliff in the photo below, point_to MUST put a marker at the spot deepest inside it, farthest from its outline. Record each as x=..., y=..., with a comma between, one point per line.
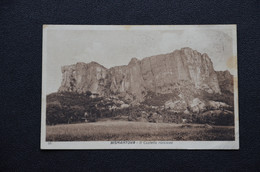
x=159, y=74
x=82, y=77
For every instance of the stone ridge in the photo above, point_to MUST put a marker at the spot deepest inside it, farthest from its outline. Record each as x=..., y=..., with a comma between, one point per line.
x=159, y=74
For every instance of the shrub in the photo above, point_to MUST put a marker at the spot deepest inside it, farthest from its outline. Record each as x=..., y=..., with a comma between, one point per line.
x=214, y=118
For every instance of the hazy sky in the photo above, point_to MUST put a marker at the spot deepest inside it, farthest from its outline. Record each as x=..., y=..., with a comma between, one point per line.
x=116, y=47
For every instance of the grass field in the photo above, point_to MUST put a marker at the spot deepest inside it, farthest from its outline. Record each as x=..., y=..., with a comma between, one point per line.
x=143, y=131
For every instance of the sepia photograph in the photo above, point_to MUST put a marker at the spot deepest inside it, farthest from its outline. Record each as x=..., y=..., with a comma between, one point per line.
x=139, y=87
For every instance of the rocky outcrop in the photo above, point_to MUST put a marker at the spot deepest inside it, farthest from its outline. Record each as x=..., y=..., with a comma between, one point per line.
x=82, y=77
x=225, y=80
x=178, y=105
x=197, y=106
x=160, y=74
x=218, y=105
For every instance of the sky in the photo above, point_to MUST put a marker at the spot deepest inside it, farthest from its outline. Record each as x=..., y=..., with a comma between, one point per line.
x=116, y=47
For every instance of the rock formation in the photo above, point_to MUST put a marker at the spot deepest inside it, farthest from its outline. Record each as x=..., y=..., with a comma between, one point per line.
x=159, y=74
x=225, y=80
x=82, y=77
x=180, y=87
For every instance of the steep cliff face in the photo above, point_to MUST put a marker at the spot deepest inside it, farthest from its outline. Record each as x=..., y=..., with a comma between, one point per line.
x=83, y=77
x=163, y=72
x=160, y=74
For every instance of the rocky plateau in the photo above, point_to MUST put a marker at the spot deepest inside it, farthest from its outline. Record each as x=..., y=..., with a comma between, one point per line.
x=183, y=80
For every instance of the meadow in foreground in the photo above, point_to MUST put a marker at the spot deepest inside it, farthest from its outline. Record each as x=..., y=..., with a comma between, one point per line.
x=143, y=131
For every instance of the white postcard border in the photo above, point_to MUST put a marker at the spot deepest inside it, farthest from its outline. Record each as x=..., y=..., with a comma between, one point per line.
x=213, y=145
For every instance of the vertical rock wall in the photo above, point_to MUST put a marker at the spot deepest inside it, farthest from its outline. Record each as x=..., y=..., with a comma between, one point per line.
x=158, y=74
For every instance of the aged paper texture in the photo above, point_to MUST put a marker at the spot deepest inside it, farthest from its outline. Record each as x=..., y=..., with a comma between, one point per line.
x=139, y=87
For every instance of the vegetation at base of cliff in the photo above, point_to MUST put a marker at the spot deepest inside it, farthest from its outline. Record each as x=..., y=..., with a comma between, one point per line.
x=153, y=99
x=124, y=130
x=68, y=107
x=166, y=116
x=226, y=97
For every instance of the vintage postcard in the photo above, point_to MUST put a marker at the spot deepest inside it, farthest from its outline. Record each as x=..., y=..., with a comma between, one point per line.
x=139, y=87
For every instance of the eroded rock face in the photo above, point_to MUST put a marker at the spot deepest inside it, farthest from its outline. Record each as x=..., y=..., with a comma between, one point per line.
x=178, y=105
x=225, y=80
x=197, y=106
x=83, y=77
x=218, y=105
x=159, y=74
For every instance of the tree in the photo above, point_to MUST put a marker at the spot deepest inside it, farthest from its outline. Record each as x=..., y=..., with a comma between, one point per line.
x=54, y=114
